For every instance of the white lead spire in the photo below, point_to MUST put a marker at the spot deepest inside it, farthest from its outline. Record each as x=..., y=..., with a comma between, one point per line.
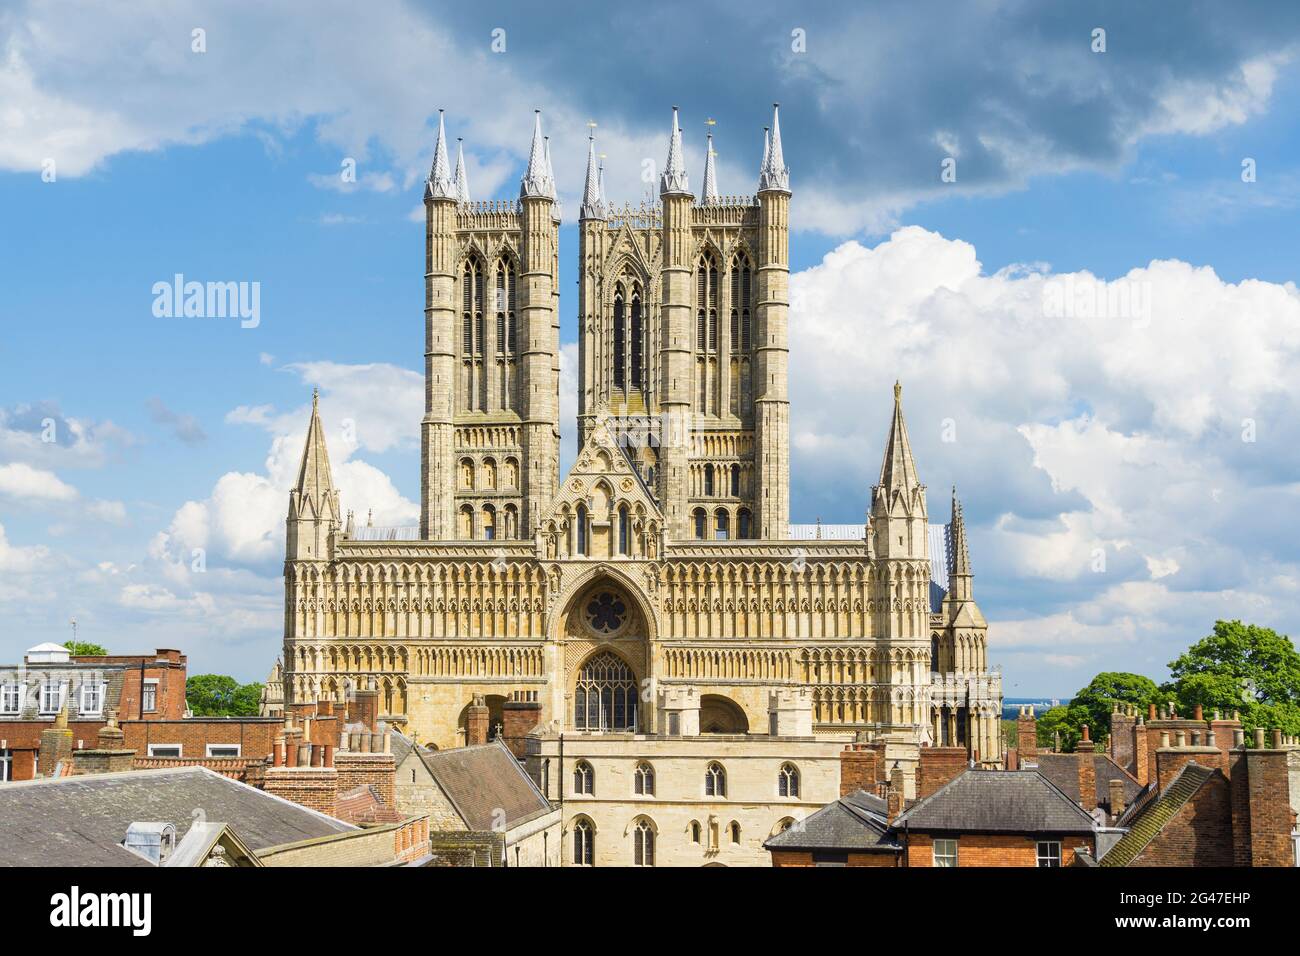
x=674, y=181
x=462, y=179
x=774, y=174
x=440, y=185
x=710, y=194
x=591, y=204
x=535, y=183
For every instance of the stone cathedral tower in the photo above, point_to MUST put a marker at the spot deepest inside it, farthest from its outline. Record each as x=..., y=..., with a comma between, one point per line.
x=682, y=342
x=664, y=567
x=490, y=435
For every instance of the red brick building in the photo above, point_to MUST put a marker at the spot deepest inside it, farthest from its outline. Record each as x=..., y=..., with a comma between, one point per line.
x=141, y=688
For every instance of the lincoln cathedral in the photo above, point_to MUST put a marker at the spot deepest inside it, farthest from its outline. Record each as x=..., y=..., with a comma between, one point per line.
x=663, y=566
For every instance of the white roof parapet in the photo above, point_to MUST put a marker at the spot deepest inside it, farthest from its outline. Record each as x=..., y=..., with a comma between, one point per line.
x=826, y=532
x=392, y=533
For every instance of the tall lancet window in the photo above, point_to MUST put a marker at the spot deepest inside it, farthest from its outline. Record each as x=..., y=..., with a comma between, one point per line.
x=740, y=312
x=706, y=335
x=473, y=387
x=619, y=340
x=636, y=346
x=503, y=304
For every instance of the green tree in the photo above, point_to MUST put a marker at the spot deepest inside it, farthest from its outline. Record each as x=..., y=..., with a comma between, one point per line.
x=1066, y=720
x=84, y=649
x=1241, y=667
x=1099, y=698
x=248, y=700
x=216, y=695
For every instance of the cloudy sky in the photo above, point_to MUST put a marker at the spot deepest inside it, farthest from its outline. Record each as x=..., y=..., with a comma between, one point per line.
x=1094, y=314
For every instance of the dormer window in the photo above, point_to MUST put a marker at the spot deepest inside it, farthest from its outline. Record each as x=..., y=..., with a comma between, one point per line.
x=92, y=697
x=51, y=697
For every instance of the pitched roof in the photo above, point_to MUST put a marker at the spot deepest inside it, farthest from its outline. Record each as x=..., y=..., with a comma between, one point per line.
x=1063, y=771
x=484, y=780
x=1157, y=813
x=82, y=820
x=997, y=801
x=364, y=804
x=853, y=822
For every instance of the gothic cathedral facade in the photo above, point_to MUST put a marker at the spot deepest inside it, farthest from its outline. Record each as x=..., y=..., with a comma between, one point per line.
x=665, y=559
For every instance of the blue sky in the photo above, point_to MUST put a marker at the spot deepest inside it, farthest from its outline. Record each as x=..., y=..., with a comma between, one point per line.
x=1119, y=435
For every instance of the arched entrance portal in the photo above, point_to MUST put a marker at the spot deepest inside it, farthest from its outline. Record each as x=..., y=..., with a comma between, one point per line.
x=721, y=715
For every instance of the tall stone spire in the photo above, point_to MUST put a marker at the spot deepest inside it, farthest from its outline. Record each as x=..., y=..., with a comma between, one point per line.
x=440, y=184
x=674, y=181
x=710, y=194
x=592, y=207
x=600, y=179
x=774, y=174
x=959, y=563
x=462, y=180
x=536, y=182
x=313, y=502
x=898, y=470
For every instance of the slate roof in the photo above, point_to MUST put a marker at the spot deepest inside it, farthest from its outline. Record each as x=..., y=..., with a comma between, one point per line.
x=853, y=822
x=1063, y=771
x=485, y=778
x=1156, y=813
x=997, y=801
x=81, y=820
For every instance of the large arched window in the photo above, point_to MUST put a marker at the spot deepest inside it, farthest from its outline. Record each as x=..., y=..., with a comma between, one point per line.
x=708, y=481
x=701, y=523
x=582, y=529
x=472, y=293
x=619, y=339
x=643, y=843
x=635, y=344
x=787, y=781
x=643, y=780
x=624, y=532
x=745, y=522
x=735, y=481
x=715, y=780
x=606, y=696
x=582, y=778
x=489, y=523
x=584, y=842
x=722, y=525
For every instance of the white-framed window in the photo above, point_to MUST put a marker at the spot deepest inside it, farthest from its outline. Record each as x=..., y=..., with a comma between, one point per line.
x=92, y=697
x=643, y=844
x=945, y=852
x=232, y=750
x=715, y=780
x=584, y=840
x=11, y=698
x=787, y=781
x=149, y=694
x=644, y=780
x=582, y=778
x=164, y=750
x=1049, y=853
x=51, y=696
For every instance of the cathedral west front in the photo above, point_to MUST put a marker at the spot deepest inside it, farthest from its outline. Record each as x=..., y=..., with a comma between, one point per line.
x=664, y=563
